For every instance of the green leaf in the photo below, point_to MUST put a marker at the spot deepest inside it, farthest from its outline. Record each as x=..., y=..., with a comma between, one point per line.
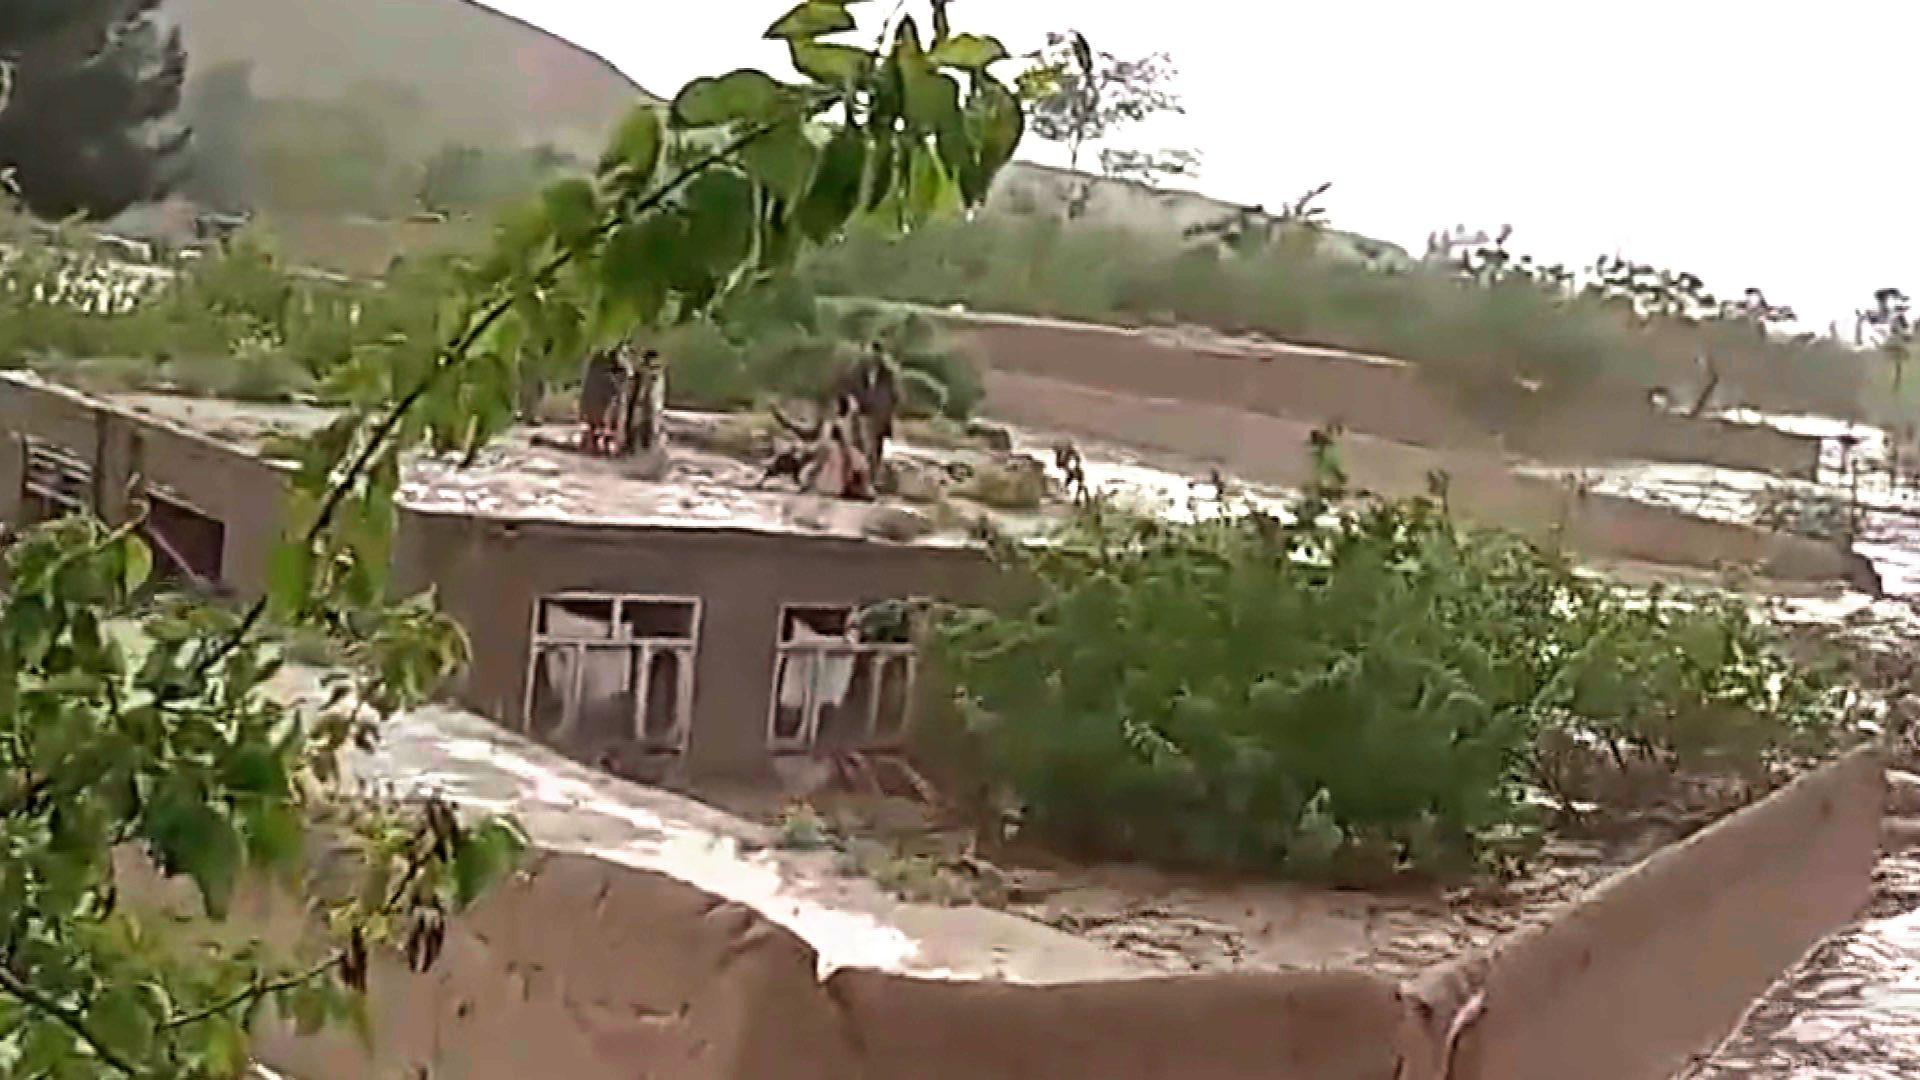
x=744, y=95
x=633, y=266
x=782, y=160
x=779, y=237
x=224, y=1045
x=931, y=192
x=573, y=211
x=46, y=1048
x=636, y=146
x=276, y=835
x=720, y=220
x=931, y=97
x=119, y=1019
x=139, y=564
x=881, y=173
x=995, y=123
x=969, y=52
x=826, y=62
x=835, y=193
x=309, y=1006
x=289, y=578
x=482, y=856
x=811, y=19
x=255, y=769
x=189, y=837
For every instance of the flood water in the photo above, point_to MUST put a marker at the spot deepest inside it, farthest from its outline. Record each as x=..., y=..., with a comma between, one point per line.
x=1851, y=1009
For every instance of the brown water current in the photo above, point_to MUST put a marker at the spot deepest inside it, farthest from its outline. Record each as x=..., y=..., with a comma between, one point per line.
x=1851, y=1009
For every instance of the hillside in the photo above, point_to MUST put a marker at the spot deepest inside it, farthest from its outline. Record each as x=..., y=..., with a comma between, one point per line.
x=434, y=72
x=476, y=72
x=1028, y=189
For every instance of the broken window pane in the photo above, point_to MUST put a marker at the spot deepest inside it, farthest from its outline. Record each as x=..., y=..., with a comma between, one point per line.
x=833, y=688
x=895, y=692
x=657, y=620
x=843, y=721
x=803, y=623
x=552, y=677
x=187, y=544
x=791, y=676
x=577, y=617
x=661, y=723
x=616, y=649
x=606, y=696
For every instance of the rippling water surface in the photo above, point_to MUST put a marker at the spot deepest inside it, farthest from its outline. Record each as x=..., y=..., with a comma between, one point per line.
x=1851, y=1010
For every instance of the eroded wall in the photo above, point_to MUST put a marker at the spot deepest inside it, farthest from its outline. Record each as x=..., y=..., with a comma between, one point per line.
x=1663, y=960
x=1482, y=487
x=586, y=969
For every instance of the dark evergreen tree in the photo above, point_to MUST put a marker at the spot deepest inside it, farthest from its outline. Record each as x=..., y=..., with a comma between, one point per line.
x=89, y=126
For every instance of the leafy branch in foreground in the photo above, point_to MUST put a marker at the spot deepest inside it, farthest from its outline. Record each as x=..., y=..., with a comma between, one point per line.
x=137, y=723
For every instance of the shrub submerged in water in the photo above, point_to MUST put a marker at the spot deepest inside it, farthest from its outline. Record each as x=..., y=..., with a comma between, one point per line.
x=1356, y=684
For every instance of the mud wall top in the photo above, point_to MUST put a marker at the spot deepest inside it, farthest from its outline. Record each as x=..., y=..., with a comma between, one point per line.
x=1372, y=395
x=585, y=968
x=1662, y=961
x=1270, y=449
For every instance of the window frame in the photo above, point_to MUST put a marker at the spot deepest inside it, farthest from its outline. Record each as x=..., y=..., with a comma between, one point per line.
x=875, y=655
x=542, y=643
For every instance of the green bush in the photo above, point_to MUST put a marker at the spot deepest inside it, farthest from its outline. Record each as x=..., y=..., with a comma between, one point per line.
x=1363, y=684
x=233, y=323
x=780, y=341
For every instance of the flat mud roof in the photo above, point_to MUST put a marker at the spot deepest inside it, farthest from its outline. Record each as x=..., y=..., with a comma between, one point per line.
x=523, y=476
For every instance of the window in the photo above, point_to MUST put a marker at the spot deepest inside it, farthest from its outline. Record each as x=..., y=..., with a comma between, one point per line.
x=188, y=545
x=613, y=668
x=835, y=687
x=54, y=484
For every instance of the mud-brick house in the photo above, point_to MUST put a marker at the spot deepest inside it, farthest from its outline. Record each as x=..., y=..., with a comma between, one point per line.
x=697, y=626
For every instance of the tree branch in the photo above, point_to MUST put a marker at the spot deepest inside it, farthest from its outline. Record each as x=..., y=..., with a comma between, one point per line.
x=416, y=862
x=254, y=992
x=68, y=1018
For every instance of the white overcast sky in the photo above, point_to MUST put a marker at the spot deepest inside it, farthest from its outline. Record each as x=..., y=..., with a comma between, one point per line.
x=1760, y=143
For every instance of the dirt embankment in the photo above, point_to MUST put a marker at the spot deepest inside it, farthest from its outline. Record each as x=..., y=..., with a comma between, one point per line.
x=1370, y=395
x=1481, y=486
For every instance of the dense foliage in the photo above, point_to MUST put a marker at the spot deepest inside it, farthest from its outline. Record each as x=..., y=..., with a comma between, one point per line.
x=782, y=341
x=133, y=721
x=145, y=724
x=236, y=323
x=94, y=83
x=1351, y=682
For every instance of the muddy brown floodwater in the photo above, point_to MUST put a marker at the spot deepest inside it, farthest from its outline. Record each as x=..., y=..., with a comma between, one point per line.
x=1850, y=1010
